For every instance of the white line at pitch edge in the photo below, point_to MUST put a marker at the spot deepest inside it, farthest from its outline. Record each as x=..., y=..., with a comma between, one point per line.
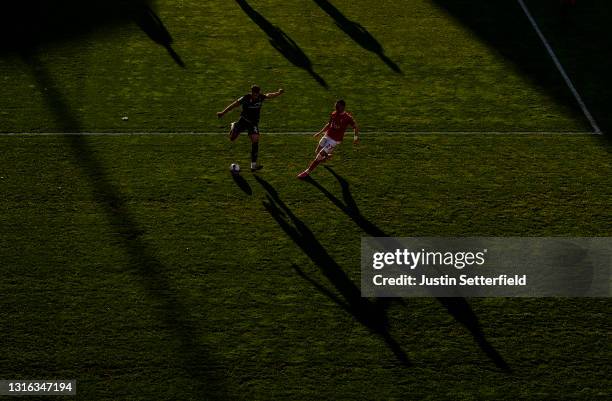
x=566, y=77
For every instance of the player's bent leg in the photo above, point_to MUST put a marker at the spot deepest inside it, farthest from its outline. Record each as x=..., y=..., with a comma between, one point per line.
x=254, y=135
x=328, y=153
x=321, y=156
x=234, y=131
x=321, y=145
x=326, y=145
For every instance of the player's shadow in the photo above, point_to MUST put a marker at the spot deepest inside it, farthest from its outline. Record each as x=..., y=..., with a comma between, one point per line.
x=358, y=33
x=27, y=24
x=372, y=314
x=282, y=42
x=581, y=39
x=458, y=307
x=152, y=25
x=143, y=264
x=242, y=184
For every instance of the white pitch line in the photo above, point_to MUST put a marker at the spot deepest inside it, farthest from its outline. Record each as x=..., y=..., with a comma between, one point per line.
x=559, y=66
x=406, y=133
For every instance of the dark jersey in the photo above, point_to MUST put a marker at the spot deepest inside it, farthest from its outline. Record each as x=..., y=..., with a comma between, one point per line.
x=251, y=109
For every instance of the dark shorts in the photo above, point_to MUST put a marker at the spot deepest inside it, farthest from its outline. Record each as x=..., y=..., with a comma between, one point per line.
x=243, y=125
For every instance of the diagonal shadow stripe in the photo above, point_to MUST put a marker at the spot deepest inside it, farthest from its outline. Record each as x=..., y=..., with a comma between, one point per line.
x=579, y=38
x=148, y=270
x=27, y=24
x=282, y=42
x=358, y=33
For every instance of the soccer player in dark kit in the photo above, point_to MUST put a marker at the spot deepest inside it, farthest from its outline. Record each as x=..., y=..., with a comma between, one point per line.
x=249, y=119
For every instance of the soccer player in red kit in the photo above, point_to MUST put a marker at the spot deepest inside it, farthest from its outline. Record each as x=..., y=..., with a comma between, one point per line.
x=334, y=130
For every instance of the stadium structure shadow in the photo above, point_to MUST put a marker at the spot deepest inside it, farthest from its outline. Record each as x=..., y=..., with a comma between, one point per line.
x=458, y=307
x=358, y=33
x=27, y=24
x=581, y=38
x=282, y=42
x=147, y=269
x=372, y=315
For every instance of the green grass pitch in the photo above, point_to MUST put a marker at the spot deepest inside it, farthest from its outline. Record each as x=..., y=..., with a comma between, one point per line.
x=137, y=264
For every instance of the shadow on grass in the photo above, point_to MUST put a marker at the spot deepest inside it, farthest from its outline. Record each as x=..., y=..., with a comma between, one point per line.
x=152, y=25
x=147, y=269
x=459, y=308
x=358, y=33
x=581, y=39
x=24, y=25
x=282, y=42
x=242, y=184
x=372, y=315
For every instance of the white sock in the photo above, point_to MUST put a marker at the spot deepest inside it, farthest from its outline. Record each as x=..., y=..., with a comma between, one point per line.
x=253, y=164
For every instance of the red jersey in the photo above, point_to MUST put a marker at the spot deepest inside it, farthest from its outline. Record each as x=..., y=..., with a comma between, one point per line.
x=338, y=123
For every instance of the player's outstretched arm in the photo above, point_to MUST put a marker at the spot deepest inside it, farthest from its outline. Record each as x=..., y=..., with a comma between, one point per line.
x=272, y=95
x=324, y=129
x=229, y=108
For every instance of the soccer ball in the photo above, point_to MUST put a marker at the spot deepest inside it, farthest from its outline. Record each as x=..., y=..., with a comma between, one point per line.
x=234, y=168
